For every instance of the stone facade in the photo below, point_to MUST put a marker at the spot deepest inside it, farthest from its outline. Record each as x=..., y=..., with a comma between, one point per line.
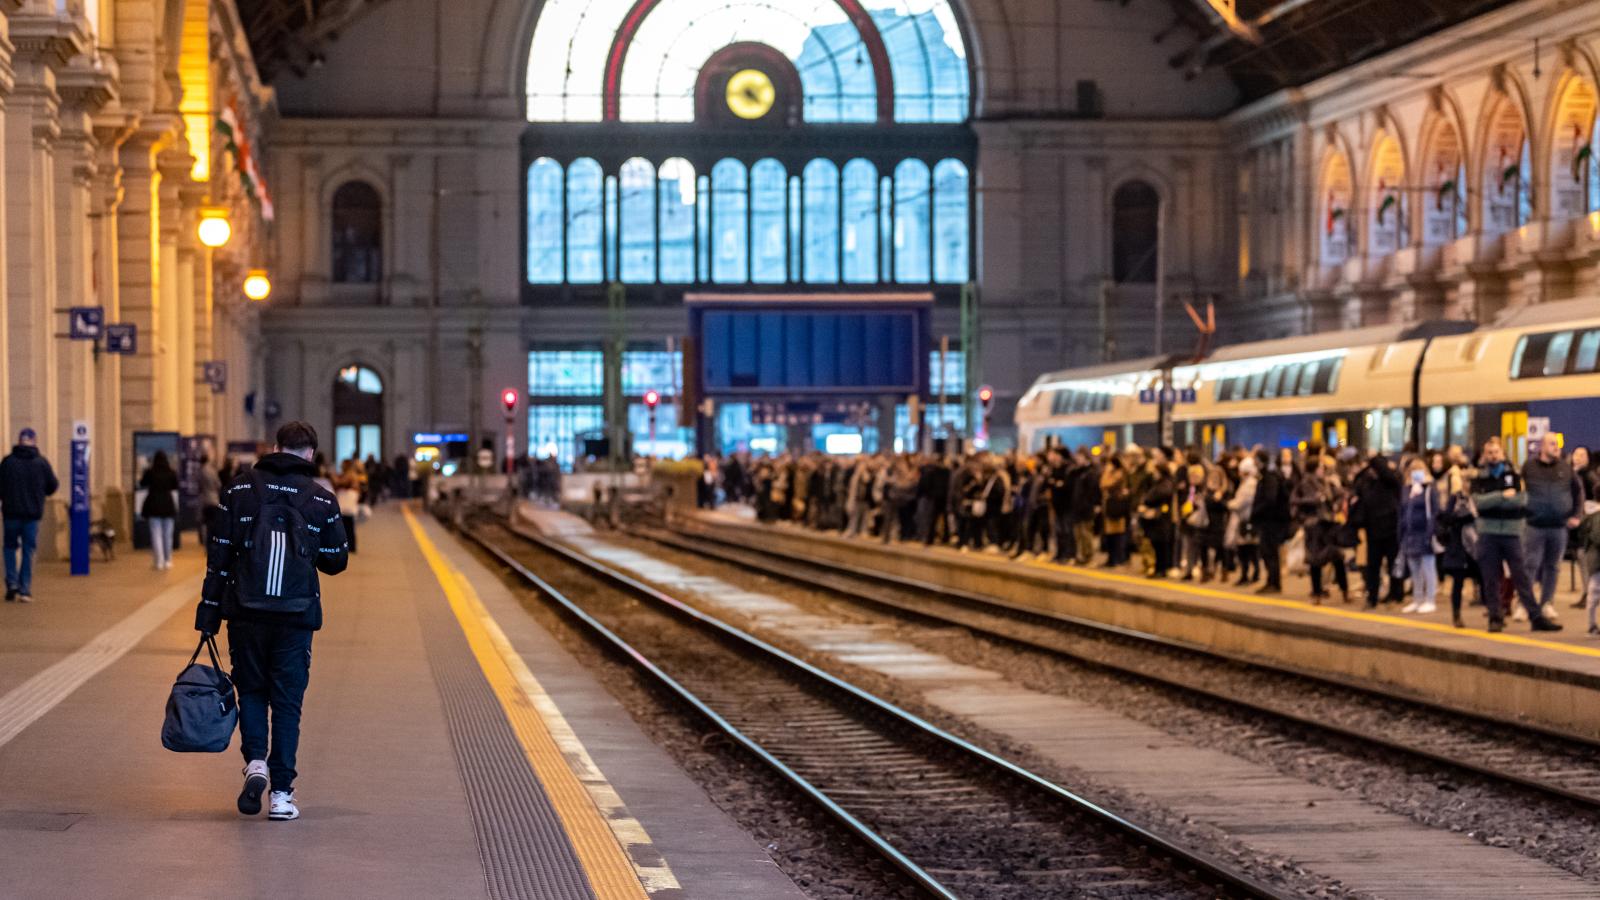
x=100, y=208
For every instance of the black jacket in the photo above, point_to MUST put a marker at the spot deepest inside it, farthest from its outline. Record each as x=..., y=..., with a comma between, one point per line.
x=25, y=480
x=161, y=501
x=1377, y=491
x=218, y=599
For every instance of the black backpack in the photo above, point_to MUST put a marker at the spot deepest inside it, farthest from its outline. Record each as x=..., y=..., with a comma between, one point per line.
x=277, y=562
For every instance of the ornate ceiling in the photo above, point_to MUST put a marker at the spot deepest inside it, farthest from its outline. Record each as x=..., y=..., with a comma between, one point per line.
x=293, y=34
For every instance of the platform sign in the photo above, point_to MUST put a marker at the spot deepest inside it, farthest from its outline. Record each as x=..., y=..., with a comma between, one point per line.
x=216, y=375
x=78, y=508
x=86, y=322
x=122, y=337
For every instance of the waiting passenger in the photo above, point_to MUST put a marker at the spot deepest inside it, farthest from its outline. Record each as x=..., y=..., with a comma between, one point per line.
x=1419, y=517
x=1317, y=501
x=1502, y=506
x=160, y=510
x=1240, y=534
x=1588, y=548
x=26, y=479
x=1555, y=506
x=272, y=602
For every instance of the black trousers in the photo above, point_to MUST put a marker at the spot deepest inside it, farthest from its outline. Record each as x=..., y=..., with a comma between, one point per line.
x=1382, y=548
x=1272, y=557
x=271, y=668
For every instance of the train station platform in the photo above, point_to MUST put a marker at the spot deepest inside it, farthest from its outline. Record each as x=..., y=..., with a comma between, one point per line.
x=1553, y=680
x=451, y=748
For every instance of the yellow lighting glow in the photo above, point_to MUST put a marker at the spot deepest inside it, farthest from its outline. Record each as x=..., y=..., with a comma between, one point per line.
x=215, y=230
x=257, y=286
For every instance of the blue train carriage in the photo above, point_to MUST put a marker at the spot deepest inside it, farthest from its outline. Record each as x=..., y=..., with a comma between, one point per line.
x=1378, y=388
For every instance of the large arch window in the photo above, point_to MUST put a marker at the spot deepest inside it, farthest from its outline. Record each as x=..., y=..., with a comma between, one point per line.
x=639, y=60
x=357, y=414
x=1135, y=233
x=769, y=239
x=821, y=222
x=730, y=223
x=638, y=231
x=546, y=234
x=584, y=221
x=860, y=218
x=912, y=225
x=678, y=190
x=951, y=236
x=357, y=226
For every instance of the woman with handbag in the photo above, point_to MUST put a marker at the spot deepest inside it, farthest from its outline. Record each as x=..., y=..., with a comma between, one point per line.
x=1419, y=515
x=160, y=509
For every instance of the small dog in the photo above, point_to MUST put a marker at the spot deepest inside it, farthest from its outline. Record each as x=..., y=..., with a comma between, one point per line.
x=104, y=537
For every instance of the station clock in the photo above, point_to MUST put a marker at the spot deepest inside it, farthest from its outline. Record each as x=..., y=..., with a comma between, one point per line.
x=751, y=94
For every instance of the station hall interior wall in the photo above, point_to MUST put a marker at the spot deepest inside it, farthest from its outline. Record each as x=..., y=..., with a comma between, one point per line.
x=426, y=104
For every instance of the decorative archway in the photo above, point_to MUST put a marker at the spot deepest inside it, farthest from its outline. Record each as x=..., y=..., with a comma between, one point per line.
x=1388, y=222
x=1337, y=190
x=1445, y=186
x=1506, y=174
x=1575, y=151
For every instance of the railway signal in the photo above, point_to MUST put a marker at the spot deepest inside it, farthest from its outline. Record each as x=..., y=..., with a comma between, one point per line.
x=652, y=399
x=508, y=399
x=986, y=400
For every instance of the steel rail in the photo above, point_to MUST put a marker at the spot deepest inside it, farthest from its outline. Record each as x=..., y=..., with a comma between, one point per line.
x=1209, y=868
x=995, y=606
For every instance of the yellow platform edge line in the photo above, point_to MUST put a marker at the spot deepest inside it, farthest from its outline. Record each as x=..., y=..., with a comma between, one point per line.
x=606, y=862
x=1298, y=606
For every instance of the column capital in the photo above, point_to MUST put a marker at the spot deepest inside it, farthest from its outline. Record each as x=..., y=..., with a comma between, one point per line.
x=86, y=85
x=42, y=34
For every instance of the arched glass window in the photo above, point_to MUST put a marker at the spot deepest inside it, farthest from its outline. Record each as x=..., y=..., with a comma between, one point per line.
x=1573, y=189
x=545, y=221
x=678, y=192
x=584, y=221
x=1338, y=188
x=1135, y=233
x=951, y=240
x=768, y=236
x=911, y=221
x=797, y=250
x=1444, y=212
x=660, y=53
x=357, y=225
x=822, y=222
x=638, y=186
x=1388, y=231
x=730, y=227
x=1507, y=171
x=357, y=414
x=860, y=222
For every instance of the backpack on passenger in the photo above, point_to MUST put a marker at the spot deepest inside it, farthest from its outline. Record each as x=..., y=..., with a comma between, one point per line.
x=277, y=564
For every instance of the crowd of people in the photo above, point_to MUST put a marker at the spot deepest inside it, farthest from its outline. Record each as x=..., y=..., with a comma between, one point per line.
x=1413, y=522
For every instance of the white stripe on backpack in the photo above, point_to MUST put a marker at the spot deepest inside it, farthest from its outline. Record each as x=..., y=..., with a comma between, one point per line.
x=275, y=566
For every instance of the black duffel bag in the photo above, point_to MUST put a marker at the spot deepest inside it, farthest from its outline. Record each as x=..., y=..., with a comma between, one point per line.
x=202, y=710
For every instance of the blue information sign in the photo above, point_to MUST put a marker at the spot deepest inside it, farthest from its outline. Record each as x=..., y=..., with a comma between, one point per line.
x=122, y=337
x=78, y=510
x=86, y=322
x=1169, y=396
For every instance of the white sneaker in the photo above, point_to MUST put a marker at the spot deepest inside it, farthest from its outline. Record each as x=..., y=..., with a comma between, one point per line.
x=255, y=784
x=1427, y=608
x=1549, y=611
x=1518, y=612
x=1410, y=607
x=283, y=808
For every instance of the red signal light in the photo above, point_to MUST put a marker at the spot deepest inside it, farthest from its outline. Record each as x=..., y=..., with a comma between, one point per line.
x=986, y=395
x=508, y=397
x=651, y=399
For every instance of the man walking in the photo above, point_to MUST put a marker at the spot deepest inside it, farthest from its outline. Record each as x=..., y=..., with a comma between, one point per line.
x=25, y=480
x=1502, y=505
x=276, y=528
x=1555, y=505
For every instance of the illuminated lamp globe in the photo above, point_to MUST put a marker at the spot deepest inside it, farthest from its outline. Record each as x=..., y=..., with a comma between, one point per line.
x=215, y=229
x=257, y=286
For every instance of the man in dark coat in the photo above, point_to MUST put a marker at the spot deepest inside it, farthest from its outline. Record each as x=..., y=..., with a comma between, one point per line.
x=270, y=649
x=1377, y=509
x=1269, y=513
x=25, y=480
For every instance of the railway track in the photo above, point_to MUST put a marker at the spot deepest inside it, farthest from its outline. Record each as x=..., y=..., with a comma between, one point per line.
x=957, y=820
x=1550, y=764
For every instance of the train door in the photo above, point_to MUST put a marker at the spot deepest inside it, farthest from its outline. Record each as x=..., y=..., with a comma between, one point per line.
x=1331, y=432
x=1514, y=435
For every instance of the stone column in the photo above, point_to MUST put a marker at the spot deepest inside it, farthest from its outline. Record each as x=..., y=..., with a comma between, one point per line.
x=84, y=90
x=168, y=222
x=206, y=345
x=177, y=171
x=7, y=83
x=107, y=467
x=139, y=276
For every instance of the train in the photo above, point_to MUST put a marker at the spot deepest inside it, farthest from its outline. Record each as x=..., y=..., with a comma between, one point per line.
x=1382, y=388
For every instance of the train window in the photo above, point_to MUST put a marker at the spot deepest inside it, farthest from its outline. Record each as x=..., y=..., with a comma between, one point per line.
x=1253, y=391
x=1435, y=426
x=1555, y=356
x=1291, y=380
x=1328, y=377
x=1528, y=362
x=1274, y=378
x=1461, y=426
x=1224, y=385
x=1587, y=357
x=1105, y=399
x=1308, y=378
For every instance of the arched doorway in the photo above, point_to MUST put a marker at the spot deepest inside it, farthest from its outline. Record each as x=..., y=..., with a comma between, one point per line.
x=357, y=414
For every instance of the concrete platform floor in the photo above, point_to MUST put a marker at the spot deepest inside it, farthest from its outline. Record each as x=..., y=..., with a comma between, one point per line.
x=91, y=805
